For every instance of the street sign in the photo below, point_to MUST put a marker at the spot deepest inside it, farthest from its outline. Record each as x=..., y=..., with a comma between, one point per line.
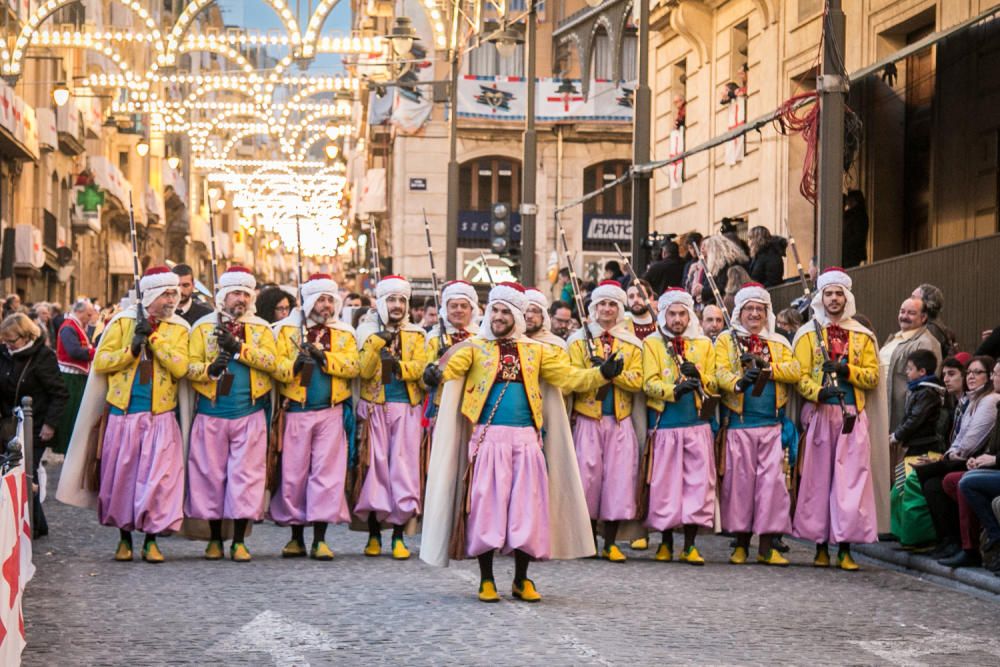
x=418, y=184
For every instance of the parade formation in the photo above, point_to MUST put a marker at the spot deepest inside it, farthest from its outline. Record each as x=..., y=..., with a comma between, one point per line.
x=487, y=432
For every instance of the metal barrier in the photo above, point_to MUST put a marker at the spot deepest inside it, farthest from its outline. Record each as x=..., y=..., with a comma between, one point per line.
x=966, y=272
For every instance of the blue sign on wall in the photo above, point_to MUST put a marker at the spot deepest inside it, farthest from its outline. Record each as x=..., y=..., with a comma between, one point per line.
x=475, y=225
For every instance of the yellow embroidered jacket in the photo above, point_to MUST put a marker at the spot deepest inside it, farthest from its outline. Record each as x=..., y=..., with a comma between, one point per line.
x=479, y=360
x=660, y=373
x=343, y=363
x=258, y=353
x=785, y=370
x=168, y=346
x=434, y=344
x=862, y=362
x=623, y=386
x=413, y=360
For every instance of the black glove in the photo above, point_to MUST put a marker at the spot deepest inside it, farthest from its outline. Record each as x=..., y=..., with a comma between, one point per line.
x=685, y=387
x=612, y=367
x=301, y=361
x=386, y=336
x=826, y=393
x=216, y=368
x=838, y=367
x=596, y=361
x=433, y=375
x=318, y=355
x=748, y=379
x=143, y=328
x=688, y=369
x=228, y=341
x=138, y=340
x=747, y=359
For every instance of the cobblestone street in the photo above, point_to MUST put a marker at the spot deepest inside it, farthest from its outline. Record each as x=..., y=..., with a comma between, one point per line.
x=82, y=608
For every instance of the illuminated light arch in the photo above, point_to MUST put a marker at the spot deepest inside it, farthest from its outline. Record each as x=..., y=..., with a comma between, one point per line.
x=315, y=26
x=215, y=87
x=239, y=136
x=191, y=11
x=12, y=65
x=223, y=50
x=290, y=138
x=206, y=132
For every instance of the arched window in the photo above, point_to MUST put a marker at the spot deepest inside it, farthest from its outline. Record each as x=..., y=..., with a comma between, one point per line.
x=607, y=218
x=483, y=182
x=603, y=55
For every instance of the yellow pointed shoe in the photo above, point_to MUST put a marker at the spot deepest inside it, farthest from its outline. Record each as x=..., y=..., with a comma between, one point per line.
x=845, y=562
x=399, y=550
x=640, y=544
x=488, y=591
x=663, y=554
x=613, y=554
x=822, y=558
x=374, y=547
x=321, y=551
x=151, y=553
x=525, y=591
x=692, y=557
x=239, y=553
x=739, y=556
x=294, y=549
x=124, y=551
x=773, y=557
x=213, y=550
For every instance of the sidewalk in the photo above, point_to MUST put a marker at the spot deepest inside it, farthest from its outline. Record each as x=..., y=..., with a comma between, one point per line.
x=890, y=552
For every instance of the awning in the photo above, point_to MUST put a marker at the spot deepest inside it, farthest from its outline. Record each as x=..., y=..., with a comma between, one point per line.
x=47, y=133
x=18, y=126
x=119, y=258
x=110, y=178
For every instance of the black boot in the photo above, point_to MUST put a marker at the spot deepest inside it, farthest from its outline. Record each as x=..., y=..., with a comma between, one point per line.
x=964, y=558
x=946, y=549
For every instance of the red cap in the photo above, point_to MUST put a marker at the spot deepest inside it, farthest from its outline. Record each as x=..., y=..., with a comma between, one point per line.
x=393, y=277
x=752, y=284
x=318, y=276
x=236, y=268
x=458, y=282
x=834, y=268
x=155, y=270
x=518, y=286
x=675, y=289
x=613, y=283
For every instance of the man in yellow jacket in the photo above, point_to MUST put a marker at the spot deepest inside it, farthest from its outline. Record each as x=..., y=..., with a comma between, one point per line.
x=232, y=358
x=754, y=497
x=678, y=369
x=507, y=480
x=393, y=357
x=315, y=376
x=142, y=461
x=607, y=449
x=836, y=501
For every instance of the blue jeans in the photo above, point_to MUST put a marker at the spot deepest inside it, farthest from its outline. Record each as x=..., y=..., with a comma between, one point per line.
x=980, y=487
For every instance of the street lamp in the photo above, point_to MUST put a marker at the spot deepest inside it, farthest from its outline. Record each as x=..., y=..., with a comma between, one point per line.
x=332, y=151
x=506, y=41
x=332, y=131
x=142, y=148
x=402, y=36
x=60, y=94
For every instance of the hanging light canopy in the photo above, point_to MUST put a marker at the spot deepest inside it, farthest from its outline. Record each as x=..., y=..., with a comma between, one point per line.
x=60, y=94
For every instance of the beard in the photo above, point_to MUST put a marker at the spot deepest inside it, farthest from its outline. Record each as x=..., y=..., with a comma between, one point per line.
x=533, y=329
x=318, y=317
x=501, y=329
x=166, y=312
x=639, y=309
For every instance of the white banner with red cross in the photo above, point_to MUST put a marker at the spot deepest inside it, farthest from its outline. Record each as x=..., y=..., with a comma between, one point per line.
x=503, y=98
x=16, y=568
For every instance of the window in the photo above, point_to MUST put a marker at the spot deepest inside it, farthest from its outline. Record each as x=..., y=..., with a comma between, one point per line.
x=602, y=64
x=485, y=60
x=618, y=200
x=630, y=54
x=739, y=56
x=487, y=180
x=562, y=63
x=123, y=161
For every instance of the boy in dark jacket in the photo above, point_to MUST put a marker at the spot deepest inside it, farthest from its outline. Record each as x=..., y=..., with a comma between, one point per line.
x=917, y=432
x=916, y=436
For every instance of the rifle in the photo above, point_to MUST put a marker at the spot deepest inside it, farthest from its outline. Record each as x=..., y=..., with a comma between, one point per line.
x=765, y=373
x=442, y=347
x=708, y=401
x=486, y=267
x=577, y=293
x=145, y=370
x=387, y=376
x=849, y=418
x=224, y=383
x=305, y=375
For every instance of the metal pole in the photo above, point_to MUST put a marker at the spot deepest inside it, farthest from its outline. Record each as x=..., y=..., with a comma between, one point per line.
x=451, y=231
x=28, y=454
x=529, y=165
x=640, y=145
x=832, y=87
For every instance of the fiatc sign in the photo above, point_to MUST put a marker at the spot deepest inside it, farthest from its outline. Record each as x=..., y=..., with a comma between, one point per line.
x=606, y=228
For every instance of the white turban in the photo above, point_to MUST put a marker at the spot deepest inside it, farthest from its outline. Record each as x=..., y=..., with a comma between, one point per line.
x=538, y=298
x=320, y=284
x=676, y=295
x=757, y=293
x=833, y=276
x=156, y=281
x=388, y=286
x=513, y=296
x=236, y=279
x=608, y=290
x=457, y=289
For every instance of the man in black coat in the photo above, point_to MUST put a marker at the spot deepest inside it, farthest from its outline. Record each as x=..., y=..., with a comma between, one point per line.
x=188, y=307
x=668, y=271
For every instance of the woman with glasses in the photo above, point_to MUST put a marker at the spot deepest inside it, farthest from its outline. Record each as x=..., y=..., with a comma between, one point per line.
x=29, y=368
x=971, y=433
x=981, y=485
x=274, y=304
